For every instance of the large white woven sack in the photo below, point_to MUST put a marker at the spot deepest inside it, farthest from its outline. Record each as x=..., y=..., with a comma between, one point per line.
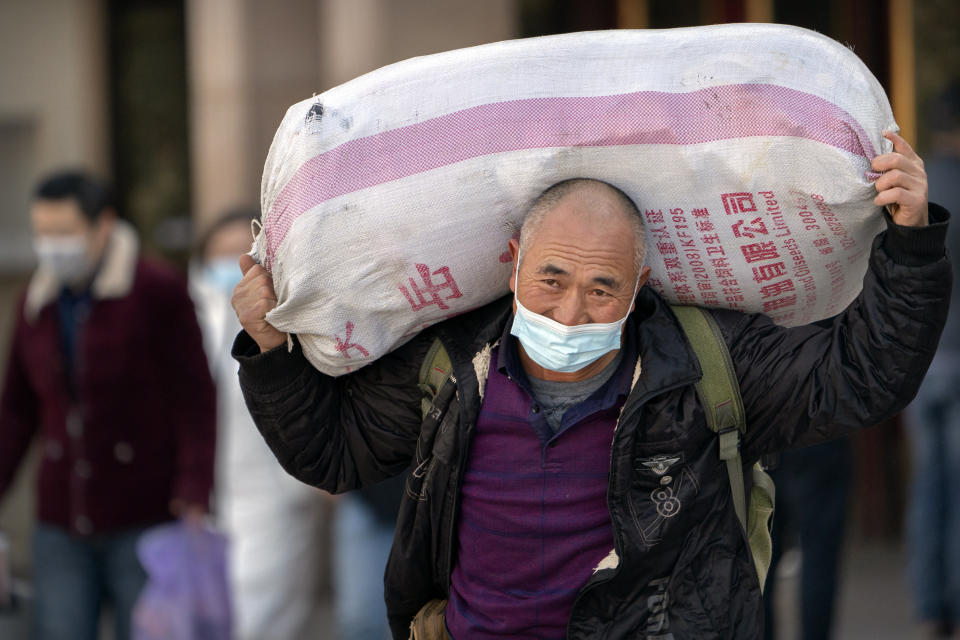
x=388, y=201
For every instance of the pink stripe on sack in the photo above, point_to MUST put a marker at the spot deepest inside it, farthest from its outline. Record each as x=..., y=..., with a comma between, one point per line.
x=645, y=117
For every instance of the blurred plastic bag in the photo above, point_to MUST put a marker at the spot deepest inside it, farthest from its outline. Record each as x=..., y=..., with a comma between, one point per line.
x=186, y=596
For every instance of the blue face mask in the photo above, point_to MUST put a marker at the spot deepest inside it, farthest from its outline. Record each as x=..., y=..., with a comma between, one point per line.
x=223, y=273
x=562, y=348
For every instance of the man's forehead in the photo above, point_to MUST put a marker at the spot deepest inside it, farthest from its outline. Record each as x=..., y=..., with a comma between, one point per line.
x=572, y=234
x=62, y=213
x=67, y=207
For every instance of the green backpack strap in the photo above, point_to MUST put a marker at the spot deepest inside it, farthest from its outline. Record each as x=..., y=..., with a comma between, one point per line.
x=719, y=392
x=434, y=373
x=720, y=395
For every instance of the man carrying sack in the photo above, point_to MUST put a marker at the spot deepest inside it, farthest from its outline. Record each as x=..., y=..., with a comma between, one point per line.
x=568, y=481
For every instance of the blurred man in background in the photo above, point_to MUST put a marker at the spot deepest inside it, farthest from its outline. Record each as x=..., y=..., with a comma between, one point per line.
x=273, y=522
x=123, y=406
x=933, y=420
x=813, y=493
x=363, y=529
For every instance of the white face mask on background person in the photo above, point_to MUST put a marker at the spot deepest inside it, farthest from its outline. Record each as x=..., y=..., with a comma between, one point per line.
x=559, y=347
x=66, y=257
x=223, y=273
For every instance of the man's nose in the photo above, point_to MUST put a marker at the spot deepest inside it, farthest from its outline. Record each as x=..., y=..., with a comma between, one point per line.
x=570, y=311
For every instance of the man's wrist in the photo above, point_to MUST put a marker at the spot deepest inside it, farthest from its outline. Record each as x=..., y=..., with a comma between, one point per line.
x=916, y=246
x=268, y=370
x=272, y=343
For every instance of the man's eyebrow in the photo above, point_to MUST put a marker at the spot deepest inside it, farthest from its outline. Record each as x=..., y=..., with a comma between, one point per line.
x=552, y=270
x=610, y=283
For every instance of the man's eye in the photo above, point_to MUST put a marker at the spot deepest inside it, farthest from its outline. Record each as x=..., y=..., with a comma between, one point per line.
x=550, y=282
x=600, y=292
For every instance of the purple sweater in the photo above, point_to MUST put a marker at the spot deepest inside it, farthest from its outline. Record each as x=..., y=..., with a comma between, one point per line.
x=533, y=518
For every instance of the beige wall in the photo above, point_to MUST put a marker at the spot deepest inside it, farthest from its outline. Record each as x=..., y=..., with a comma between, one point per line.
x=53, y=112
x=53, y=72
x=250, y=60
x=53, y=104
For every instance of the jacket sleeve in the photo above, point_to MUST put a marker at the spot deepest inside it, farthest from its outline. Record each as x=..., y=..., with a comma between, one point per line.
x=19, y=410
x=811, y=383
x=191, y=395
x=335, y=433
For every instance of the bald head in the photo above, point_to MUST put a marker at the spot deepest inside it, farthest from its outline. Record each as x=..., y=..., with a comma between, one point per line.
x=606, y=202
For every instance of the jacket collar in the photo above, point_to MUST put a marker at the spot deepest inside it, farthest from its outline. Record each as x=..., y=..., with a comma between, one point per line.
x=665, y=353
x=114, y=279
x=469, y=340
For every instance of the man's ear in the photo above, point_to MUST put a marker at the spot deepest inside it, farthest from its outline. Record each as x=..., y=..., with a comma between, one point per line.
x=514, y=245
x=644, y=276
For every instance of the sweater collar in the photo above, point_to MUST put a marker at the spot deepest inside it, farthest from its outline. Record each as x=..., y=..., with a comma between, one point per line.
x=667, y=357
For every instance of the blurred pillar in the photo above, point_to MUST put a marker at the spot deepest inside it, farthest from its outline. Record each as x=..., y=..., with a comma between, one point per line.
x=721, y=11
x=357, y=36
x=53, y=74
x=353, y=38
x=903, y=94
x=249, y=60
x=54, y=112
x=633, y=14
x=219, y=109
x=759, y=10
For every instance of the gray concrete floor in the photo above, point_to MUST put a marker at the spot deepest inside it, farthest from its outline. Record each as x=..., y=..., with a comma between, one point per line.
x=874, y=603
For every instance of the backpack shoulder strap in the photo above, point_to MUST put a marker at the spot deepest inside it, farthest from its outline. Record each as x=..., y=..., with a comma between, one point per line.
x=719, y=393
x=434, y=373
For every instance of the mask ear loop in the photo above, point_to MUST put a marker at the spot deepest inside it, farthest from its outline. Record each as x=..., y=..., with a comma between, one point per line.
x=636, y=290
x=256, y=231
x=516, y=274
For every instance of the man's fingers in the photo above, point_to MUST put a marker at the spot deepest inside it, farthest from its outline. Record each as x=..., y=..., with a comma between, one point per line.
x=246, y=262
x=903, y=186
x=900, y=145
x=904, y=159
x=893, y=196
x=899, y=178
x=900, y=196
x=894, y=160
x=252, y=300
x=256, y=279
x=263, y=306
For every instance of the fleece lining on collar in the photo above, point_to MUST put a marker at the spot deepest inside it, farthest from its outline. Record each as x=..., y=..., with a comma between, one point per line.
x=113, y=280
